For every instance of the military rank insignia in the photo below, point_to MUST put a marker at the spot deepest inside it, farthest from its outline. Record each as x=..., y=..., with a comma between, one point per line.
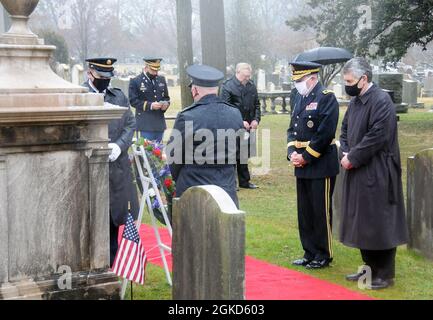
x=143, y=87
x=312, y=106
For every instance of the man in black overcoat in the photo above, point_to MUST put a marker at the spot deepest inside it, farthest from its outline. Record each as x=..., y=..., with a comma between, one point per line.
x=241, y=92
x=373, y=212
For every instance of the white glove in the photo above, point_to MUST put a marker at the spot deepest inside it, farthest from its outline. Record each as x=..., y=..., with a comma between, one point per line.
x=115, y=152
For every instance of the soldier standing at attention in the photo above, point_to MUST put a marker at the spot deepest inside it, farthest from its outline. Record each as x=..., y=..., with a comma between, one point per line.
x=148, y=94
x=311, y=149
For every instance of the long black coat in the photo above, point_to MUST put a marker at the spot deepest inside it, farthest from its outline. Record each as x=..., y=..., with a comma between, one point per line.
x=209, y=113
x=373, y=212
x=142, y=93
x=246, y=100
x=122, y=188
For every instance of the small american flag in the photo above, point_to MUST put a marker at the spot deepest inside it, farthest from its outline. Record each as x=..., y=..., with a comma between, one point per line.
x=130, y=261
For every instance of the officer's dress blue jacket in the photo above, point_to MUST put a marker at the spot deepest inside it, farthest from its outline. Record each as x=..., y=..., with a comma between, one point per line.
x=142, y=93
x=209, y=113
x=120, y=131
x=314, y=120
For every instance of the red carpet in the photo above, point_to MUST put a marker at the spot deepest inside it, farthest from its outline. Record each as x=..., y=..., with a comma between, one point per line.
x=265, y=281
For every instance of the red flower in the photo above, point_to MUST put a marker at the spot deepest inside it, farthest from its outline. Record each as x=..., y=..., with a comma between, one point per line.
x=157, y=153
x=168, y=183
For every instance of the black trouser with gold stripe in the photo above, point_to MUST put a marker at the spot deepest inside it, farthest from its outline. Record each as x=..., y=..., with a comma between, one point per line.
x=315, y=217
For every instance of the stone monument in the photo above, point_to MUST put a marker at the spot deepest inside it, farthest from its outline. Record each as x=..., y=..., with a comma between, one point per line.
x=393, y=83
x=428, y=85
x=208, y=246
x=420, y=202
x=77, y=74
x=261, y=80
x=410, y=94
x=54, y=198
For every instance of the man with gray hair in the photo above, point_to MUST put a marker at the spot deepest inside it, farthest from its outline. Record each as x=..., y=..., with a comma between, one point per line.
x=373, y=213
x=241, y=92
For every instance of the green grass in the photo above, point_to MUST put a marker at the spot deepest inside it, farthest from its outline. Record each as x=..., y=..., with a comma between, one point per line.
x=271, y=223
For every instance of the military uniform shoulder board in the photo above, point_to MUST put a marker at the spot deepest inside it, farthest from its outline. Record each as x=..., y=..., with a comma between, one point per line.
x=189, y=108
x=327, y=91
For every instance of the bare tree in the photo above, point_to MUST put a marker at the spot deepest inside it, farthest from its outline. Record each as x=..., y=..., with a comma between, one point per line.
x=213, y=37
x=184, y=47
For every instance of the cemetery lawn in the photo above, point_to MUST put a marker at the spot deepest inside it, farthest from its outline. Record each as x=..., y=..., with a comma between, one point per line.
x=271, y=221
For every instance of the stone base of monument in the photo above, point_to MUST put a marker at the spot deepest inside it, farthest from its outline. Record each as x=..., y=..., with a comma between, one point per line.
x=428, y=94
x=402, y=108
x=98, y=285
x=417, y=105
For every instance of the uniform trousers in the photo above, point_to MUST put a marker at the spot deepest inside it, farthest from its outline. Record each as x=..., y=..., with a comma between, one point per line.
x=315, y=217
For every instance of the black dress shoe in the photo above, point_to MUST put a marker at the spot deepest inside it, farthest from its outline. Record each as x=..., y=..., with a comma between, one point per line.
x=318, y=264
x=355, y=276
x=249, y=186
x=378, y=284
x=301, y=262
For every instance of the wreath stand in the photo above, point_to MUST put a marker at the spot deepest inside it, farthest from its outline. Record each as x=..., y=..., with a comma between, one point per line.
x=147, y=179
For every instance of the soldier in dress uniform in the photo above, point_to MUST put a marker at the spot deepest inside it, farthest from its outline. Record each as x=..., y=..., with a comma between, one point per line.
x=148, y=94
x=209, y=114
x=120, y=132
x=312, y=151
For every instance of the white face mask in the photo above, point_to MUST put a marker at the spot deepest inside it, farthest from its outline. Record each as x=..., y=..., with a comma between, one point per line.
x=302, y=87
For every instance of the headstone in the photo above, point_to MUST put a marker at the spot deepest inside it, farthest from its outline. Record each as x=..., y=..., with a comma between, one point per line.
x=338, y=90
x=270, y=87
x=410, y=94
x=77, y=74
x=394, y=83
x=274, y=78
x=122, y=84
x=64, y=71
x=428, y=86
x=420, y=202
x=208, y=246
x=261, y=80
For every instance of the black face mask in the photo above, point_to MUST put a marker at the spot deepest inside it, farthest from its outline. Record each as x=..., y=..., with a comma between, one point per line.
x=151, y=76
x=101, y=84
x=354, y=91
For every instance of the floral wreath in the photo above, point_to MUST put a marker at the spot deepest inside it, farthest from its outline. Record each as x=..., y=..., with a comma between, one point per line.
x=162, y=174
